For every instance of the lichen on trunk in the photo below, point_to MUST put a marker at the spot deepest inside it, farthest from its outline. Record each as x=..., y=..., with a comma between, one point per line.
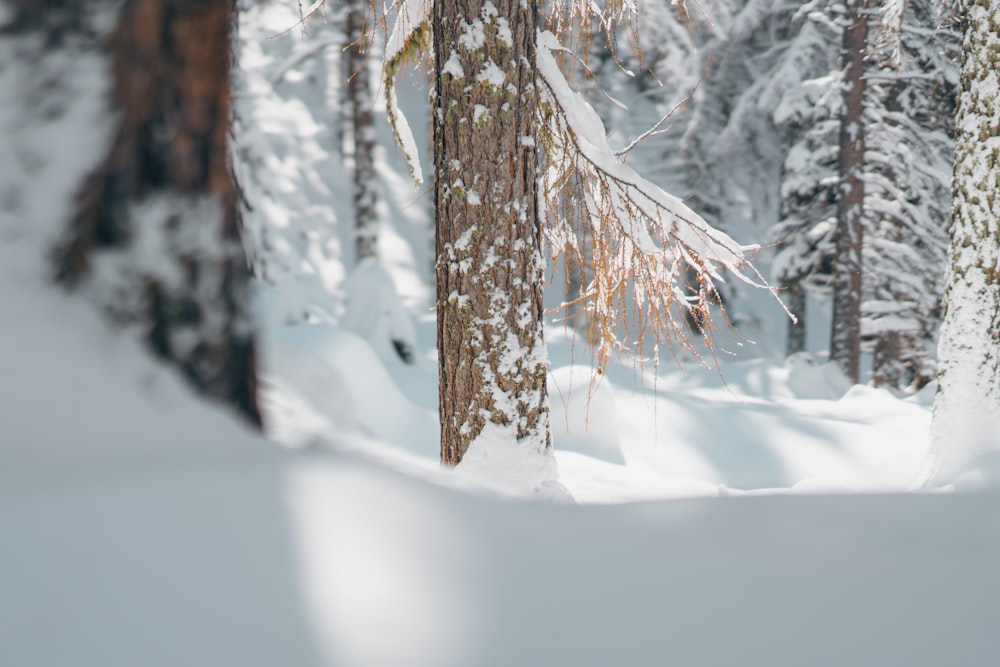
x=490, y=267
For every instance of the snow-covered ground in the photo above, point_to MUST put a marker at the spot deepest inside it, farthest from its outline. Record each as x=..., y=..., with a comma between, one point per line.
x=757, y=514
x=140, y=527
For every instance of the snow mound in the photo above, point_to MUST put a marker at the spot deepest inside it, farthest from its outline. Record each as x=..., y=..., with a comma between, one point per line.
x=584, y=414
x=810, y=380
x=376, y=313
x=339, y=375
x=496, y=461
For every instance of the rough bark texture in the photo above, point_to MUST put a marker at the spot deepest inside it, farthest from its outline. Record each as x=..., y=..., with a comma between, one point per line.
x=845, y=339
x=967, y=408
x=362, y=115
x=489, y=268
x=157, y=225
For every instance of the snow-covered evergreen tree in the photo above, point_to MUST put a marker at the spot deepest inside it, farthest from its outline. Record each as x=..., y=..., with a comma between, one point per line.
x=910, y=113
x=287, y=157
x=807, y=118
x=753, y=122
x=907, y=121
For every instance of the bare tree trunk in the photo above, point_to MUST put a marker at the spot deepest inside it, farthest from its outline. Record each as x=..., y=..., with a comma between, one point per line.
x=796, y=328
x=490, y=268
x=845, y=340
x=887, y=369
x=163, y=203
x=361, y=105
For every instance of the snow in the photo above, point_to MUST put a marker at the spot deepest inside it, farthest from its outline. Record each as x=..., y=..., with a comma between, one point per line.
x=496, y=460
x=491, y=74
x=755, y=514
x=584, y=413
x=649, y=200
x=473, y=34
x=453, y=66
x=376, y=313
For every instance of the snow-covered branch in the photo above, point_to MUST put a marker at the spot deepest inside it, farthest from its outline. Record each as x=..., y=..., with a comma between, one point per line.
x=655, y=261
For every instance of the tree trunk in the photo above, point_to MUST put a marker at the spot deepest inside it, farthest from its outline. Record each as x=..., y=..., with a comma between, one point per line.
x=360, y=103
x=845, y=339
x=161, y=210
x=490, y=267
x=887, y=369
x=967, y=408
x=797, y=328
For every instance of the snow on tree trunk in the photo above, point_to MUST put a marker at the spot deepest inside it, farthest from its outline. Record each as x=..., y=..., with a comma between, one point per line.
x=845, y=340
x=966, y=425
x=155, y=238
x=362, y=115
x=490, y=267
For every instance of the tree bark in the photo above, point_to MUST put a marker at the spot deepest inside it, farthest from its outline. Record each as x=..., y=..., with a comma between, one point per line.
x=163, y=202
x=362, y=115
x=887, y=369
x=796, y=341
x=845, y=339
x=490, y=268
x=967, y=407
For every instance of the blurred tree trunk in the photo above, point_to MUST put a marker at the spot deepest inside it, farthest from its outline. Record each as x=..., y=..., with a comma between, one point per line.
x=845, y=339
x=796, y=328
x=361, y=110
x=156, y=233
x=886, y=368
x=490, y=267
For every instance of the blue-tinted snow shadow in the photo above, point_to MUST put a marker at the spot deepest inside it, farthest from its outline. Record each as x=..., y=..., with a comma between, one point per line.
x=776, y=581
x=160, y=568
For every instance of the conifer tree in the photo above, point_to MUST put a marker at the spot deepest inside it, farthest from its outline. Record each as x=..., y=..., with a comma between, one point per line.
x=911, y=107
x=492, y=66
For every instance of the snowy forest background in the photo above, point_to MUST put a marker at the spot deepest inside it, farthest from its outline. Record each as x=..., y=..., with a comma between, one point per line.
x=745, y=502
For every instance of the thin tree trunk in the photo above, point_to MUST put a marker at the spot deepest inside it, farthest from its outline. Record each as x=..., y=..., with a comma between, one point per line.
x=887, y=368
x=796, y=328
x=163, y=202
x=490, y=268
x=363, y=132
x=845, y=339
x=967, y=407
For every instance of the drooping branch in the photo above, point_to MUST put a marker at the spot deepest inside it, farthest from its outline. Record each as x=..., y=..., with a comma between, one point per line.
x=655, y=261
x=409, y=41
